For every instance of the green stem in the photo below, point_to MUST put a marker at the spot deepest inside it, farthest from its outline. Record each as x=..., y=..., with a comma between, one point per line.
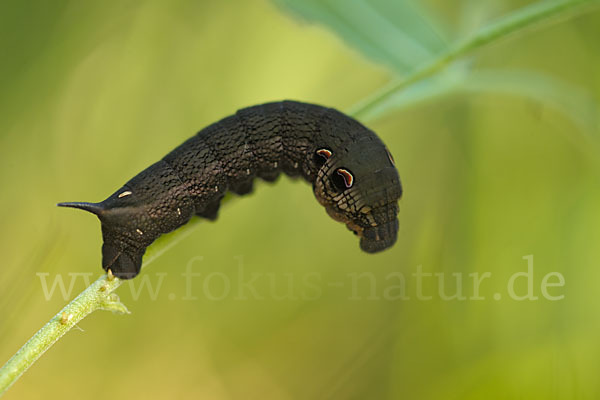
x=98, y=296
x=511, y=24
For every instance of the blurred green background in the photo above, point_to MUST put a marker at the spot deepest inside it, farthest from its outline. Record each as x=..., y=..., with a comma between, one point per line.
x=498, y=157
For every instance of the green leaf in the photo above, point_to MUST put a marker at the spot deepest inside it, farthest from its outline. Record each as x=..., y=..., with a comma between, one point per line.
x=425, y=78
x=418, y=93
x=395, y=33
x=400, y=35
x=576, y=103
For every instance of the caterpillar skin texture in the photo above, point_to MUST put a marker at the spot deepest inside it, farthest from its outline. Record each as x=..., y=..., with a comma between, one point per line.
x=352, y=173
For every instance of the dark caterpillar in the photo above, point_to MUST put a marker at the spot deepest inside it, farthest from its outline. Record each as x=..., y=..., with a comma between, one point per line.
x=352, y=173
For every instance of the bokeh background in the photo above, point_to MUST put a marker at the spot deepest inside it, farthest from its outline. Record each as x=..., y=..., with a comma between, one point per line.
x=498, y=157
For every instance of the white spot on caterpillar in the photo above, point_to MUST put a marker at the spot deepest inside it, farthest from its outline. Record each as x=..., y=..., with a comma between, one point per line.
x=216, y=188
x=295, y=165
x=125, y=193
x=275, y=164
x=139, y=231
x=178, y=211
x=248, y=171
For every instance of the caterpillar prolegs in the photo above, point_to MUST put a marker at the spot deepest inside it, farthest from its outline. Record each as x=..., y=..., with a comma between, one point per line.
x=352, y=173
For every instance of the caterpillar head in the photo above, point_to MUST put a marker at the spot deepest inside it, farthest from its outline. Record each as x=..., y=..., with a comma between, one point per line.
x=359, y=186
x=123, y=231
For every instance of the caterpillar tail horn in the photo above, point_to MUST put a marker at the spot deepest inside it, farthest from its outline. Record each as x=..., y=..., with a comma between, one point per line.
x=94, y=208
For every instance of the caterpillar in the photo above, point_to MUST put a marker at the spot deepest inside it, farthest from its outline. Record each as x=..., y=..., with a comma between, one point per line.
x=352, y=173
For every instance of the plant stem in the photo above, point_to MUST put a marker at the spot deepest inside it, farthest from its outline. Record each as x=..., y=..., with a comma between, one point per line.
x=98, y=296
x=517, y=22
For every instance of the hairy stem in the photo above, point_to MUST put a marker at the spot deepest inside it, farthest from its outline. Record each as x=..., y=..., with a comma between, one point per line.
x=98, y=296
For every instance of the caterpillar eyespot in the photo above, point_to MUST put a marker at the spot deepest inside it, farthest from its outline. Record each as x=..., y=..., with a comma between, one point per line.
x=325, y=153
x=321, y=156
x=347, y=176
x=256, y=142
